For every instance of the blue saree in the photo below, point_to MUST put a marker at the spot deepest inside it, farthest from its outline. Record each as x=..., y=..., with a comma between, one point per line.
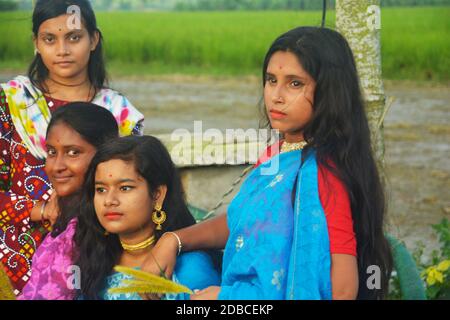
x=278, y=247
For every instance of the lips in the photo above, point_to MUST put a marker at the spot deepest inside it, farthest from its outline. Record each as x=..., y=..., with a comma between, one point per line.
x=64, y=63
x=62, y=179
x=276, y=114
x=113, y=215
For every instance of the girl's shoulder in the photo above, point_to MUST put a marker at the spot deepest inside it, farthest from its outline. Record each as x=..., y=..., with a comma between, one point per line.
x=192, y=258
x=196, y=270
x=20, y=89
x=270, y=152
x=117, y=103
x=19, y=82
x=63, y=240
x=110, y=95
x=13, y=87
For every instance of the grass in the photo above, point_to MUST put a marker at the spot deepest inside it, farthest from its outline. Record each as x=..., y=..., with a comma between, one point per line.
x=415, y=43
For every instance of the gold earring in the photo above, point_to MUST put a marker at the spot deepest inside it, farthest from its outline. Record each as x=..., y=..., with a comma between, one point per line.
x=158, y=216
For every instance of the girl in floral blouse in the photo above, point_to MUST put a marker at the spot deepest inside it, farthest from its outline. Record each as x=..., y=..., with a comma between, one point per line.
x=68, y=66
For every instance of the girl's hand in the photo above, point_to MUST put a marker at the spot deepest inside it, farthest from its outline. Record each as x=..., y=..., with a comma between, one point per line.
x=163, y=258
x=51, y=212
x=210, y=293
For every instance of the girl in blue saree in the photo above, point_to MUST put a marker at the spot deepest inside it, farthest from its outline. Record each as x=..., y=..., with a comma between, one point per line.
x=132, y=195
x=308, y=221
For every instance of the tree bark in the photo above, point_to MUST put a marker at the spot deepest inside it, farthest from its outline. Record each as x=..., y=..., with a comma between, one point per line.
x=359, y=22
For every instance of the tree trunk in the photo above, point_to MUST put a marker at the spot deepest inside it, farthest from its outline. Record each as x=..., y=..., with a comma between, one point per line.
x=359, y=22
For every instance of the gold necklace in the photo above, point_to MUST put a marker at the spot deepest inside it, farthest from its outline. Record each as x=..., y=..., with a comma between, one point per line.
x=141, y=245
x=287, y=146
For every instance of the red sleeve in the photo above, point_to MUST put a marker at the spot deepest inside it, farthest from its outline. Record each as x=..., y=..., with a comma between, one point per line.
x=336, y=204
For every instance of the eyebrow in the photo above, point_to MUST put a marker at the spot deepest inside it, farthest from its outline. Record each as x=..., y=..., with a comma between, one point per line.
x=117, y=181
x=47, y=33
x=289, y=76
x=66, y=147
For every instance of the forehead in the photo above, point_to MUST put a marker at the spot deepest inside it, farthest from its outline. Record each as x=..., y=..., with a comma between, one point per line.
x=60, y=25
x=116, y=168
x=285, y=62
x=63, y=134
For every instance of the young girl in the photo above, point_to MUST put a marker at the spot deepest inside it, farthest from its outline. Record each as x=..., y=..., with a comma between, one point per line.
x=312, y=229
x=74, y=134
x=133, y=195
x=68, y=66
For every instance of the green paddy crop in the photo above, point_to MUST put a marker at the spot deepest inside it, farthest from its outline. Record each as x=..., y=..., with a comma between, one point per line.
x=415, y=41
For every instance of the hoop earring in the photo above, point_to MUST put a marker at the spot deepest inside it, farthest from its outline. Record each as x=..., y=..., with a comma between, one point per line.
x=158, y=216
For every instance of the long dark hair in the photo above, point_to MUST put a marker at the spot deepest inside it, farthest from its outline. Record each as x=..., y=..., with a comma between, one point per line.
x=339, y=134
x=98, y=254
x=49, y=9
x=96, y=125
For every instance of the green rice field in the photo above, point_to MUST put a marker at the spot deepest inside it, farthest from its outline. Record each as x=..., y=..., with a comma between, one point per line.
x=415, y=41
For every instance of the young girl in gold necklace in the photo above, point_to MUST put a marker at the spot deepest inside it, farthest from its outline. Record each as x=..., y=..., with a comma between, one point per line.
x=68, y=66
